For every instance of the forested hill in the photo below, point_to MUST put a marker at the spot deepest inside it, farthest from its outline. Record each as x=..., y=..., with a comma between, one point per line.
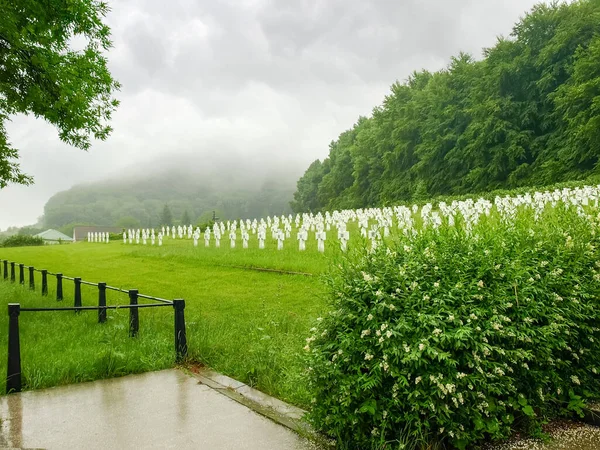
x=190, y=193
x=527, y=114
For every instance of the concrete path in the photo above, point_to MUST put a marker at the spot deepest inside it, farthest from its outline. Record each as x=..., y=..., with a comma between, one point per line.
x=162, y=410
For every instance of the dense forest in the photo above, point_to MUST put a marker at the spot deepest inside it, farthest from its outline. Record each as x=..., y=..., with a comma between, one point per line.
x=526, y=114
x=175, y=195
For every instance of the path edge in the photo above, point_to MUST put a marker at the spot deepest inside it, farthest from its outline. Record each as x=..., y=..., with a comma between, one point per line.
x=280, y=412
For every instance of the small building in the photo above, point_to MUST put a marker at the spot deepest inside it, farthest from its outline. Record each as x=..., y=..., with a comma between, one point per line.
x=53, y=237
x=80, y=234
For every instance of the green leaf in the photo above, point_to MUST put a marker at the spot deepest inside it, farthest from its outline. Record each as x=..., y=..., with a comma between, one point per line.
x=528, y=411
x=370, y=406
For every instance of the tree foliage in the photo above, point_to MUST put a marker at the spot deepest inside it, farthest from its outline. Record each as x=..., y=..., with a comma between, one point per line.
x=166, y=217
x=185, y=219
x=527, y=114
x=42, y=74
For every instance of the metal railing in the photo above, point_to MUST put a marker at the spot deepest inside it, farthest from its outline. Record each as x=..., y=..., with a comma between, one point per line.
x=13, y=376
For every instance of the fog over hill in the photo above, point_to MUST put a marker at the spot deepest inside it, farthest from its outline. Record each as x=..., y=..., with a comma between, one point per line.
x=239, y=187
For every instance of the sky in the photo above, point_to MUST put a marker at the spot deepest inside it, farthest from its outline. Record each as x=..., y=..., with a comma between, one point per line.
x=272, y=80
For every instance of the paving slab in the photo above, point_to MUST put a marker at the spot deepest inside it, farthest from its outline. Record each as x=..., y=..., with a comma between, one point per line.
x=162, y=410
x=274, y=408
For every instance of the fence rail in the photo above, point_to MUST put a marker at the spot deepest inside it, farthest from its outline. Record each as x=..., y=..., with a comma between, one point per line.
x=13, y=377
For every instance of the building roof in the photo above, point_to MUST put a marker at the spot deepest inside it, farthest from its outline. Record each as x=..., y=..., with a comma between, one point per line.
x=80, y=233
x=53, y=235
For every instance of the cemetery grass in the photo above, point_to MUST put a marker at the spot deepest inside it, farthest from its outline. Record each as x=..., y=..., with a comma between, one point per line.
x=245, y=323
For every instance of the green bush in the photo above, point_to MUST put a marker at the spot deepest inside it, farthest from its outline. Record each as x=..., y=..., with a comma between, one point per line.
x=448, y=337
x=18, y=240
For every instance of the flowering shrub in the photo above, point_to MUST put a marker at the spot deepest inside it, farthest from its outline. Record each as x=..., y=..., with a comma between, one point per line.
x=456, y=334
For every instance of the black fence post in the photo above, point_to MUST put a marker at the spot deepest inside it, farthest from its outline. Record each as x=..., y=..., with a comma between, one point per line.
x=6, y=269
x=12, y=272
x=13, y=373
x=59, y=292
x=101, y=302
x=31, y=278
x=134, y=319
x=21, y=273
x=181, y=347
x=44, y=282
x=77, y=296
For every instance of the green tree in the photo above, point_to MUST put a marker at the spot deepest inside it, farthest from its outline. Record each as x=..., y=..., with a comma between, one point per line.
x=29, y=231
x=335, y=187
x=41, y=74
x=578, y=101
x=166, y=218
x=185, y=219
x=305, y=197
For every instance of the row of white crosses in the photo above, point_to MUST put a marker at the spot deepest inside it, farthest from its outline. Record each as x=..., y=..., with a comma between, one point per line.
x=374, y=224
x=279, y=229
x=143, y=236
x=95, y=236
x=181, y=232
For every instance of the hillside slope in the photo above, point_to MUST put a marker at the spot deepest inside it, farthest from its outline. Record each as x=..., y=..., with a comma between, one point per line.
x=237, y=190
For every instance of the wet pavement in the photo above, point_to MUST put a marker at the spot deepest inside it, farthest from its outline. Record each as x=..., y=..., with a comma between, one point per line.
x=166, y=409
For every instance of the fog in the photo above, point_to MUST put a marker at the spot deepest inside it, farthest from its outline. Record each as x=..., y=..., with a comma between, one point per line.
x=265, y=82
x=225, y=170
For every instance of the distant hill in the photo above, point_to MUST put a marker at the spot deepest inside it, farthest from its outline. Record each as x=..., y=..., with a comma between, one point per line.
x=240, y=189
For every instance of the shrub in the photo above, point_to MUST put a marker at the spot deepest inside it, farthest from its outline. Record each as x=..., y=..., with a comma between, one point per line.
x=452, y=337
x=18, y=240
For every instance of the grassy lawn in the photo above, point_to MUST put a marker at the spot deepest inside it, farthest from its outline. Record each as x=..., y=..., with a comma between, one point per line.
x=245, y=323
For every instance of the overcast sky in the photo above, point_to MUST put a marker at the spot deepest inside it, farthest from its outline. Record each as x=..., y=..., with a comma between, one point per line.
x=274, y=79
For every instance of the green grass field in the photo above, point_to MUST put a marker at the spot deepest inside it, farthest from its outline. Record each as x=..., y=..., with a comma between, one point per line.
x=246, y=323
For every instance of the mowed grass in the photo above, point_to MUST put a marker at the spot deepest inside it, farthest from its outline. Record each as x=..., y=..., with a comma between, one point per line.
x=246, y=323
